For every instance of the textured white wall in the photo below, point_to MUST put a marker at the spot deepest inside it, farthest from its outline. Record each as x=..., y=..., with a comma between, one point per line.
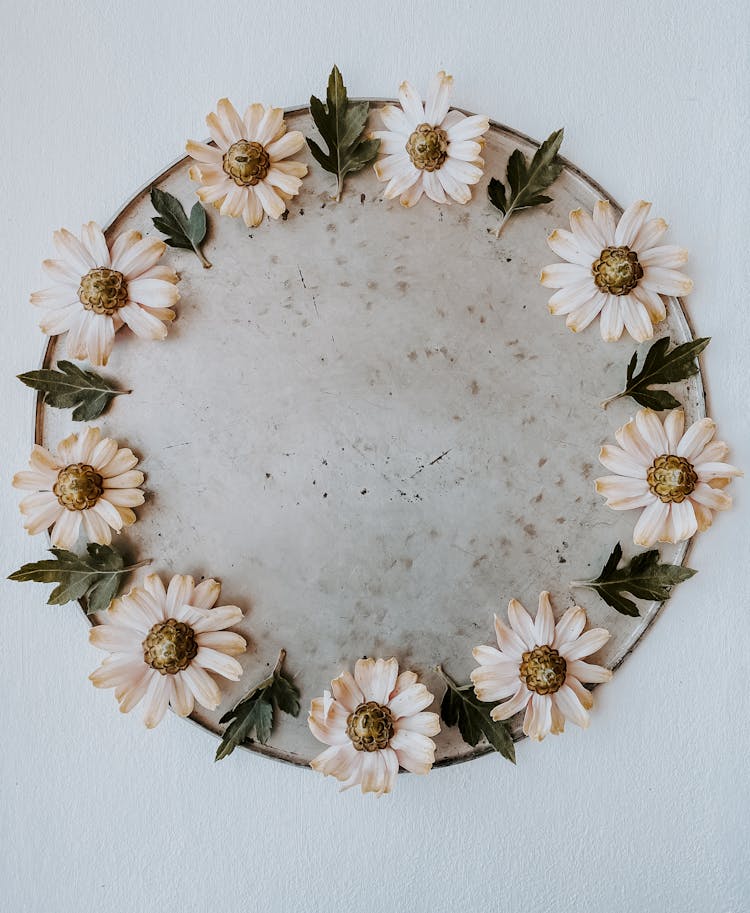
x=648, y=810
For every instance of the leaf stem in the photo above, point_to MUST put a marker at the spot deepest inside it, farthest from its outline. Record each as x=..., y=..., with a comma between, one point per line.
x=202, y=257
x=581, y=584
x=604, y=403
x=339, y=188
x=501, y=226
x=133, y=567
x=279, y=662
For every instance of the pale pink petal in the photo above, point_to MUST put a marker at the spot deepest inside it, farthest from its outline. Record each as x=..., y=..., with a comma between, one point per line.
x=347, y=692
x=620, y=462
x=203, y=687
x=583, y=315
x=338, y=761
x=631, y=223
x=156, y=700
x=288, y=144
x=649, y=234
x=636, y=318
x=181, y=698
x=43, y=516
x=66, y=529
x=604, y=219
x=569, y=627
x=466, y=127
x=231, y=122
x=271, y=126
x=452, y=184
x=425, y=723
x=588, y=672
x=31, y=480
x=271, y=202
x=142, y=323
x=154, y=585
x=95, y=527
x=567, y=246
x=714, y=498
x=329, y=728
x=154, y=293
x=521, y=622
x=73, y=251
x=652, y=301
x=495, y=683
x=410, y=701
x=582, y=693
x=60, y=298
x=226, y=641
x=205, y=594
x=544, y=623
x=220, y=663
x=124, y=497
x=109, y=513
x=179, y=592
x=587, y=235
x=695, y=439
x=508, y=641
x=513, y=706
x=669, y=256
x=412, y=195
x=623, y=493
x=114, y=638
x=120, y=463
x=612, y=322
x=411, y=103
x=570, y=706
x=202, y=152
x=666, y=281
x=217, y=619
x=139, y=257
x=376, y=678
x=538, y=720
x=589, y=642
x=394, y=120
x=558, y=275
x=93, y=240
x=415, y=752
x=131, y=479
x=631, y=440
x=438, y=99
x=652, y=431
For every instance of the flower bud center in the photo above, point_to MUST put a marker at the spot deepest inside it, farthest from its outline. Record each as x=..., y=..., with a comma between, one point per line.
x=170, y=647
x=617, y=270
x=672, y=478
x=246, y=163
x=370, y=726
x=103, y=291
x=543, y=670
x=78, y=486
x=427, y=147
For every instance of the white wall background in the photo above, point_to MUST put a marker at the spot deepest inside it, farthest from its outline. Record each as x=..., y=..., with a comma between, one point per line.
x=648, y=810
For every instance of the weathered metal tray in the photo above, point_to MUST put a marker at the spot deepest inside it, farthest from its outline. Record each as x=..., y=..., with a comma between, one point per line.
x=367, y=425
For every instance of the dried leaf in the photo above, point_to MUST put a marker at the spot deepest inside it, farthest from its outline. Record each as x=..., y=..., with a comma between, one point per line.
x=341, y=124
x=256, y=711
x=181, y=231
x=643, y=577
x=526, y=181
x=95, y=577
x=661, y=367
x=461, y=707
x=70, y=386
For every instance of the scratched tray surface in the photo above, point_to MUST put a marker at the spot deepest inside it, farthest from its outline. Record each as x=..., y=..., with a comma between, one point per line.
x=367, y=425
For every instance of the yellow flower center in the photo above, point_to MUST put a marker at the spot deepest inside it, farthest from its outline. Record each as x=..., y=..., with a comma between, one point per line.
x=543, y=670
x=170, y=647
x=427, y=147
x=103, y=291
x=672, y=478
x=246, y=163
x=617, y=270
x=78, y=486
x=370, y=726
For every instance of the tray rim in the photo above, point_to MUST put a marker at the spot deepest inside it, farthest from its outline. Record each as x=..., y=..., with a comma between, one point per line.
x=683, y=320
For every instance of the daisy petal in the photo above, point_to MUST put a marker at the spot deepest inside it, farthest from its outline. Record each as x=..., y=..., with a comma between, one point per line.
x=376, y=678
x=695, y=439
x=631, y=223
x=651, y=524
x=570, y=706
x=513, y=706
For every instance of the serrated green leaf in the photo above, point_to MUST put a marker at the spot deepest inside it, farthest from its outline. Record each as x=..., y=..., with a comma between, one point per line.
x=643, y=577
x=70, y=386
x=341, y=124
x=256, y=712
x=461, y=707
x=661, y=366
x=527, y=181
x=181, y=232
x=95, y=577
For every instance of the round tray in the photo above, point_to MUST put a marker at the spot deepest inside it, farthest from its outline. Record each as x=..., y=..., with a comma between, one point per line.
x=367, y=425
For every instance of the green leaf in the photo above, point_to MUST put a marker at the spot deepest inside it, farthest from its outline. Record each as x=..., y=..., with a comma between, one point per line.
x=70, y=386
x=256, y=711
x=661, y=366
x=341, y=124
x=643, y=577
x=181, y=231
x=461, y=707
x=95, y=577
x=526, y=181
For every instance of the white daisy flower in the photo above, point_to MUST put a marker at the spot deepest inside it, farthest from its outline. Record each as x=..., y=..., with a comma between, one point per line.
x=618, y=270
x=427, y=149
x=246, y=175
x=98, y=288
x=677, y=476
x=163, y=643
x=91, y=483
x=540, y=667
x=373, y=721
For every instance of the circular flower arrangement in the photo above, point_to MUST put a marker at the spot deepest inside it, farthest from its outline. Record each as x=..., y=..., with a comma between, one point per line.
x=168, y=644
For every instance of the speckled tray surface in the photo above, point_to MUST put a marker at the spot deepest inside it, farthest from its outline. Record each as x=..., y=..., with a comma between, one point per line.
x=367, y=425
